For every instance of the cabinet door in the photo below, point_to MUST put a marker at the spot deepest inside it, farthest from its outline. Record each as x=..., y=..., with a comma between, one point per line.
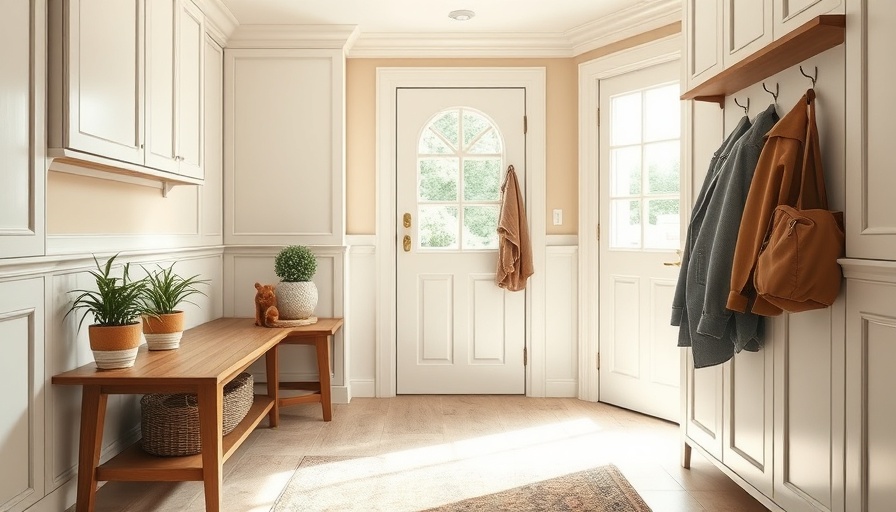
x=105, y=78
x=189, y=90
x=870, y=103
x=22, y=132
x=211, y=192
x=809, y=410
x=160, y=84
x=22, y=367
x=747, y=415
x=747, y=28
x=703, y=410
x=703, y=37
x=870, y=381
x=790, y=14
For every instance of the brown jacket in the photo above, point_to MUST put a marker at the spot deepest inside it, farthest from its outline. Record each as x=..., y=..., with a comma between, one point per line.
x=514, y=249
x=775, y=182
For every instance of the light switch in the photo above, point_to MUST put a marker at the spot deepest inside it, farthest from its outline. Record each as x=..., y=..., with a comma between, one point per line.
x=558, y=216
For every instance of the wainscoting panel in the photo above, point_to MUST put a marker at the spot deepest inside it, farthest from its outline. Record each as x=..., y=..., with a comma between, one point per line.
x=561, y=312
x=360, y=326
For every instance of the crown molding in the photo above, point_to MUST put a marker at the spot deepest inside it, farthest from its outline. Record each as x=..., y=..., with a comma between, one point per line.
x=640, y=18
x=220, y=22
x=444, y=45
x=637, y=19
x=294, y=36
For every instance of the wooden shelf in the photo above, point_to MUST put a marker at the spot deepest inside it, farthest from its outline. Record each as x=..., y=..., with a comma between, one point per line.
x=813, y=37
x=133, y=464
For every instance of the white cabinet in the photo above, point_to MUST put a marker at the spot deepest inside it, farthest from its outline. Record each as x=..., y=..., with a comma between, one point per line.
x=212, y=193
x=174, y=70
x=22, y=139
x=22, y=400
x=125, y=86
x=871, y=217
x=721, y=33
x=284, y=145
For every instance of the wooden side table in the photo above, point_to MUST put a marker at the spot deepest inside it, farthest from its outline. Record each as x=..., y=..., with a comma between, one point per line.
x=317, y=335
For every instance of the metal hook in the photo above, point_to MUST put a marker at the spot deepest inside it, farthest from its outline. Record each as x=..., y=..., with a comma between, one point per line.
x=774, y=94
x=813, y=78
x=745, y=107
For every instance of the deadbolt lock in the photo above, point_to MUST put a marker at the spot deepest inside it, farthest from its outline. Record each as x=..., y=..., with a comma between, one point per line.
x=406, y=220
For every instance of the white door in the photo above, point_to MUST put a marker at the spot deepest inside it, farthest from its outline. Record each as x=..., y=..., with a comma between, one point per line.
x=640, y=227
x=457, y=331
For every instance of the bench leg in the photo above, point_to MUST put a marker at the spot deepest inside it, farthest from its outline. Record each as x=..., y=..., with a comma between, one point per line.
x=273, y=375
x=93, y=415
x=323, y=366
x=211, y=425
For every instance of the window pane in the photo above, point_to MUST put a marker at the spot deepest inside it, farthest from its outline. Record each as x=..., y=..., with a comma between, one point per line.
x=662, y=116
x=447, y=125
x=438, y=179
x=625, y=119
x=625, y=177
x=438, y=227
x=625, y=223
x=482, y=179
x=432, y=144
x=489, y=144
x=662, y=161
x=474, y=124
x=663, y=228
x=480, y=227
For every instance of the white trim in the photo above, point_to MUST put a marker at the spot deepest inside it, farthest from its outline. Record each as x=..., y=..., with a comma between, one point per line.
x=561, y=240
x=219, y=21
x=388, y=82
x=640, y=18
x=293, y=36
x=590, y=73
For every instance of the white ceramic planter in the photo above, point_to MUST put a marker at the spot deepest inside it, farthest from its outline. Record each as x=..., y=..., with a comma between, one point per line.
x=296, y=301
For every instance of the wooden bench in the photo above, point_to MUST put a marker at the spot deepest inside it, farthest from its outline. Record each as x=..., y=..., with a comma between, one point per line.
x=209, y=357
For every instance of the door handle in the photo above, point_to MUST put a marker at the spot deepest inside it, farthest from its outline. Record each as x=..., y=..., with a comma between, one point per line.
x=674, y=263
x=406, y=220
x=406, y=243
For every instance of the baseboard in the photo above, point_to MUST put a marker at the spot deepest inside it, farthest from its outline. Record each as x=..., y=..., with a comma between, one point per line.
x=61, y=498
x=561, y=388
x=364, y=388
x=340, y=395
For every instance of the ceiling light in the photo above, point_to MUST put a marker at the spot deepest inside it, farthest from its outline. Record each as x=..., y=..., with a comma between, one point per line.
x=461, y=15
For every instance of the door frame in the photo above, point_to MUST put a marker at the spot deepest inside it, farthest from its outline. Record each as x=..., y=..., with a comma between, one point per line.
x=660, y=51
x=388, y=81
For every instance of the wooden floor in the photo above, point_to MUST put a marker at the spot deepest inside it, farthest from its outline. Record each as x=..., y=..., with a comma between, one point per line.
x=644, y=448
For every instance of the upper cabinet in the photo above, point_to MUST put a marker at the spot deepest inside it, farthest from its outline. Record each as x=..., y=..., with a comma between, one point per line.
x=125, y=86
x=174, y=54
x=22, y=168
x=720, y=34
x=870, y=103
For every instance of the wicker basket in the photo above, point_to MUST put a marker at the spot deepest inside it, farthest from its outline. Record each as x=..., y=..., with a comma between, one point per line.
x=170, y=422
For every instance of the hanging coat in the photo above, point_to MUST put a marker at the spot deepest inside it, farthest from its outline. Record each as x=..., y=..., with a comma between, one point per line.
x=514, y=248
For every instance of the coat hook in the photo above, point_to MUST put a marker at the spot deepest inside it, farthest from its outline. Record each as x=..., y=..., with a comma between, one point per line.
x=774, y=94
x=745, y=107
x=813, y=78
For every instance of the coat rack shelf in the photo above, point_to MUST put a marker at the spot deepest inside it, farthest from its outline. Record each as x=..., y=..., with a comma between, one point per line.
x=813, y=37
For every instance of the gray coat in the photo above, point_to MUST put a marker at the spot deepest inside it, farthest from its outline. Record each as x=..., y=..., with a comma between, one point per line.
x=714, y=332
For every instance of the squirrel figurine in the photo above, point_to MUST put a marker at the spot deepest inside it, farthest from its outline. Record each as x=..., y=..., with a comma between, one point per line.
x=266, y=313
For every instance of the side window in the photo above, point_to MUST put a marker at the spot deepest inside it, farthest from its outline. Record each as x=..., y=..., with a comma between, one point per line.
x=460, y=156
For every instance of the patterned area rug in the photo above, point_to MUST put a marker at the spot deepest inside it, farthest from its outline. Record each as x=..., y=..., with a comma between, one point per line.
x=380, y=484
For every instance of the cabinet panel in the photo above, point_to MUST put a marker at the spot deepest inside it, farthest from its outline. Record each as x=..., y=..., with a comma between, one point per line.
x=21, y=424
x=22, y=129
x=870, y=69
x=160, y=84
x=211, y=194
x=703, y=33
x=703, y=424
x=191, y=47
x=748, y=27
x=748, y=416
x=790, y=14
x=105, y=80
x=284, y=146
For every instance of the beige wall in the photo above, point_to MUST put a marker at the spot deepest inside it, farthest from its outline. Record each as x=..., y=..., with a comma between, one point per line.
x=80, y=205
x=562, y=128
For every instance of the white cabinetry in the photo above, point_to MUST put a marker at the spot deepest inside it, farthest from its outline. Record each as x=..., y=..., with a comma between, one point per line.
x=22, y=421
x=174, y=53
x=125, y=86
x=212, y=194
x=284, y=145
x=721, y=33
x=23, y=54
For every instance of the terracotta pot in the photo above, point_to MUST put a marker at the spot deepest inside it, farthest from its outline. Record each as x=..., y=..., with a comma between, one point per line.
x=296, y=300
x=165, y=331
x=115, y=346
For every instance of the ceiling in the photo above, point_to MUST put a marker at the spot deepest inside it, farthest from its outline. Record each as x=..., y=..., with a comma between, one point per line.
x=559, y=25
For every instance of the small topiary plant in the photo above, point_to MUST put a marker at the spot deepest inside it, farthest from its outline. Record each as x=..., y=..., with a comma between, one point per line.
x=295, y=263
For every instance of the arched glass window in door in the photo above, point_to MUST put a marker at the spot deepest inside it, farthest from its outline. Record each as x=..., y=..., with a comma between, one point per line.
x=460, y=155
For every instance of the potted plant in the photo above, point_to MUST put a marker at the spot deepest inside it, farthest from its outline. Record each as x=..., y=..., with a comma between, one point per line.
x=296, y=294
x=116, y=305
x=163, y=325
